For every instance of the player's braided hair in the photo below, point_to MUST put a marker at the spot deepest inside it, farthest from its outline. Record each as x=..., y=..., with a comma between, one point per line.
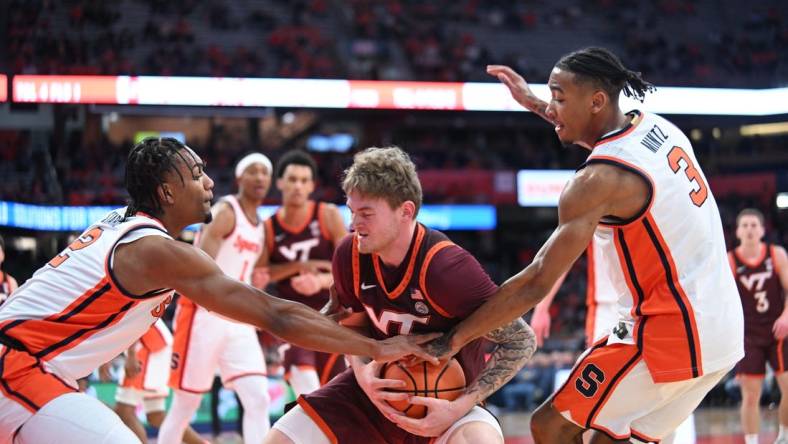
x=146, y=168
x=296, y=157
x=605, y=69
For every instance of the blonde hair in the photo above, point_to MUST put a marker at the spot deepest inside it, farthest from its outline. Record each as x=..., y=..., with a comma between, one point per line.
x=387, y=173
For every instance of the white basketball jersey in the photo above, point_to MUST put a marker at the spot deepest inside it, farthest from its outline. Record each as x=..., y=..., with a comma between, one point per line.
x=668, y=265
x=72, y=314
x=240, y=251
x=600, y=285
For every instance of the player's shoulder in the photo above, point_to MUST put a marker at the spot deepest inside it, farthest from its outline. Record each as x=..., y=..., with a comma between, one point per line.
x=779, y=252
x=345, y=246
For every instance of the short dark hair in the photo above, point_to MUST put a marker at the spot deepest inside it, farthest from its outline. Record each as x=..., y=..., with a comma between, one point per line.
x=147, y=165
x=751, y=212
x=606, y=71
x=296, y=157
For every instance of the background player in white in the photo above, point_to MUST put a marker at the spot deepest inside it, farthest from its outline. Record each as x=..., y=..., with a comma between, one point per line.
x=678, y=294
x=106, y=289
x=205, y=341
x=761, y=272
x=143, y=381
x=7, y=282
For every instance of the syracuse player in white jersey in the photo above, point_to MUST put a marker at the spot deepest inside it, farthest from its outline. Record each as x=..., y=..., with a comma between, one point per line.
x=677, y=293
x=205, y=342
x=601, y=311
x=106, y=289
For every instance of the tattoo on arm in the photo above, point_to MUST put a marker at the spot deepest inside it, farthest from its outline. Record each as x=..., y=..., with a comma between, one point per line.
x=516, y=344
x=539, y=107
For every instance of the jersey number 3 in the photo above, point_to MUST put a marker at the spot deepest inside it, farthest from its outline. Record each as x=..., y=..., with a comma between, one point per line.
x=675, y=156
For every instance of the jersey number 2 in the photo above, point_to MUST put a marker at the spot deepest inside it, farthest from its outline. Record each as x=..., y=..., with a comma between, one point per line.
x=677, y=154
x=79, y=243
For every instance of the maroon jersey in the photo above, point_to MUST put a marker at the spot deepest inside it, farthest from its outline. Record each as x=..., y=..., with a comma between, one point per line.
x=437, y=285
x=287, y=244
x=761, y=293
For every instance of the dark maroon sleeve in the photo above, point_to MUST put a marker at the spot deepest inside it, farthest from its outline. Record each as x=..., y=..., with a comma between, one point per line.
x=342, y=269
x=457, y=283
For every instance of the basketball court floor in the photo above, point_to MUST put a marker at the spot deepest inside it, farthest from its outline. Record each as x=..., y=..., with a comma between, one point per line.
x=713, y=426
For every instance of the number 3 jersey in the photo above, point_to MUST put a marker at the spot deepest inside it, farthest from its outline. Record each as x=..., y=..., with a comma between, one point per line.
x=761, y=294
x=677, y=298
x=437, y=285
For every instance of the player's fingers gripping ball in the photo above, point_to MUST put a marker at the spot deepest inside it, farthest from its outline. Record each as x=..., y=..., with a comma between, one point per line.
x=443, y=381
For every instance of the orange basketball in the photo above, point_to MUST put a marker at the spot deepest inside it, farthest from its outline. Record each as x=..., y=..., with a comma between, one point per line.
x=444, y=381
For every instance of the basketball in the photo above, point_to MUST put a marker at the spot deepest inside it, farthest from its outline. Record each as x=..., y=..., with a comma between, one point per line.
x=444, y=381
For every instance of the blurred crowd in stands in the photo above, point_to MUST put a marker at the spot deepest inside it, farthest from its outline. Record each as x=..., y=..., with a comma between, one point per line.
x=673, y=42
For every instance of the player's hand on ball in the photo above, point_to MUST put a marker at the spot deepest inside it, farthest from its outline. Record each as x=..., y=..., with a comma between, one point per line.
x=392, y=349
x=375, y=388
x=441, y=414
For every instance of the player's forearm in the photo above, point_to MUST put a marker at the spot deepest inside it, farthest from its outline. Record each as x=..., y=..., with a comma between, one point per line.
x=513, y=299
x=537, y=106
x=283, y=271
x=516, y=344
x=300, y=325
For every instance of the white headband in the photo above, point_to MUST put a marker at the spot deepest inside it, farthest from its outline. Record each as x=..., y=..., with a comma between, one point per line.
x=251, y=159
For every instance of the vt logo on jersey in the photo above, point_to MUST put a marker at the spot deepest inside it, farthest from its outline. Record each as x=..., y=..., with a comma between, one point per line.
x=299, y=250
x=245, y=245
x=404, y=321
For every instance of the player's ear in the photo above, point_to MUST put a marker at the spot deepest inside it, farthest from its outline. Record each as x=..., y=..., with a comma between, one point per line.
x=409, y=209
x=165, y=194
x=598, y=101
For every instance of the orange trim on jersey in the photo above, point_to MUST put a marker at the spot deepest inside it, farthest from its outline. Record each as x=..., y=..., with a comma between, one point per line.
x=780, y=360
x=298, y=228
x=332, y=438
x=609, y=432
x=623, y=132
x=184, y=322
x=774, y=261
x=153, y=340
x=583, y=400
x=423, y=275
x=403, y=284
x=642, y=436
x=590, y=293
x=732, y=262
x=356, y=268
x=638, y=170
x=660, y=305
x=25, y=381
x=95, y=310
x=327, y=367
x=269, y=236
x=753, y=264
x=241, y=375
x=321, y=222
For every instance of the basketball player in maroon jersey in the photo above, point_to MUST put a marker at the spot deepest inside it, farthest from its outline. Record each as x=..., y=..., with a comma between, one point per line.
x=761, y=272
x=399, y=276
x=7, y=282
x=300, y=241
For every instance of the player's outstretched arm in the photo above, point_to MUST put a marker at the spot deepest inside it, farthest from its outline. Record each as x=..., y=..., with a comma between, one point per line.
x=586, y=199
x=520, y=90
x=170, y=264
